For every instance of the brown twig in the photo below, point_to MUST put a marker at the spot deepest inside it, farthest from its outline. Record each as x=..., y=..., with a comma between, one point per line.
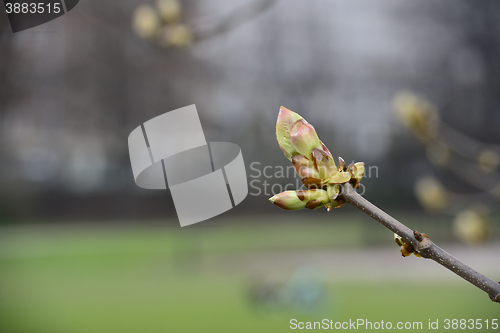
x=424, y=246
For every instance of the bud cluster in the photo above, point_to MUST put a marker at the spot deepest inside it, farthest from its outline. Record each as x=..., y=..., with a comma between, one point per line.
x=162, y=24
x=314, y=164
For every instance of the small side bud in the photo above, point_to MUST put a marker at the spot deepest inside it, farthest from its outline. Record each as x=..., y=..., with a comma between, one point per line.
x=356, y=170
x=333, y=191
x=406, y=248
x=360, y=171
x=351, y=168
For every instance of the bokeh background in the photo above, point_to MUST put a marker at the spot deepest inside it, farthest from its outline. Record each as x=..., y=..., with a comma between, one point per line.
x=410, y=88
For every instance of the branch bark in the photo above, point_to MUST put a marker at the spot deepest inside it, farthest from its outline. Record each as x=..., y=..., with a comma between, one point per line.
x=424, y=246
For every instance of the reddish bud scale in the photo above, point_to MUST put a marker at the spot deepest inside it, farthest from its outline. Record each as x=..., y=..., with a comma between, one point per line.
x=313, y=204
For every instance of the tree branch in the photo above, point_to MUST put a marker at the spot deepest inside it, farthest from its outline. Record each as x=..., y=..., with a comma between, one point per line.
x=424, y=246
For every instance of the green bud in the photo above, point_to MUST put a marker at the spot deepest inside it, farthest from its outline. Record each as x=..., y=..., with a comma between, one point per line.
x=406, y=249
x=145, y=21
x=294, y=200
x=324, y=163
x=304, y=138
x=284, y=124
x=170, y=10
x=356, y=170
x=360, y=171
x=333, y=191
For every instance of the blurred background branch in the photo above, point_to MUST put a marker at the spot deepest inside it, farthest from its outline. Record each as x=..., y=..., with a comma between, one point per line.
x=166, y=25
x=473, y=162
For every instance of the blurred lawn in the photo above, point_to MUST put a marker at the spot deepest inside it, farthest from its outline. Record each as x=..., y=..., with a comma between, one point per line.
x=152, y=279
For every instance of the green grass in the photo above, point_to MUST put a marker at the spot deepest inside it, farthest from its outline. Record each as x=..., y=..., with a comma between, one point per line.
x=63, y=280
